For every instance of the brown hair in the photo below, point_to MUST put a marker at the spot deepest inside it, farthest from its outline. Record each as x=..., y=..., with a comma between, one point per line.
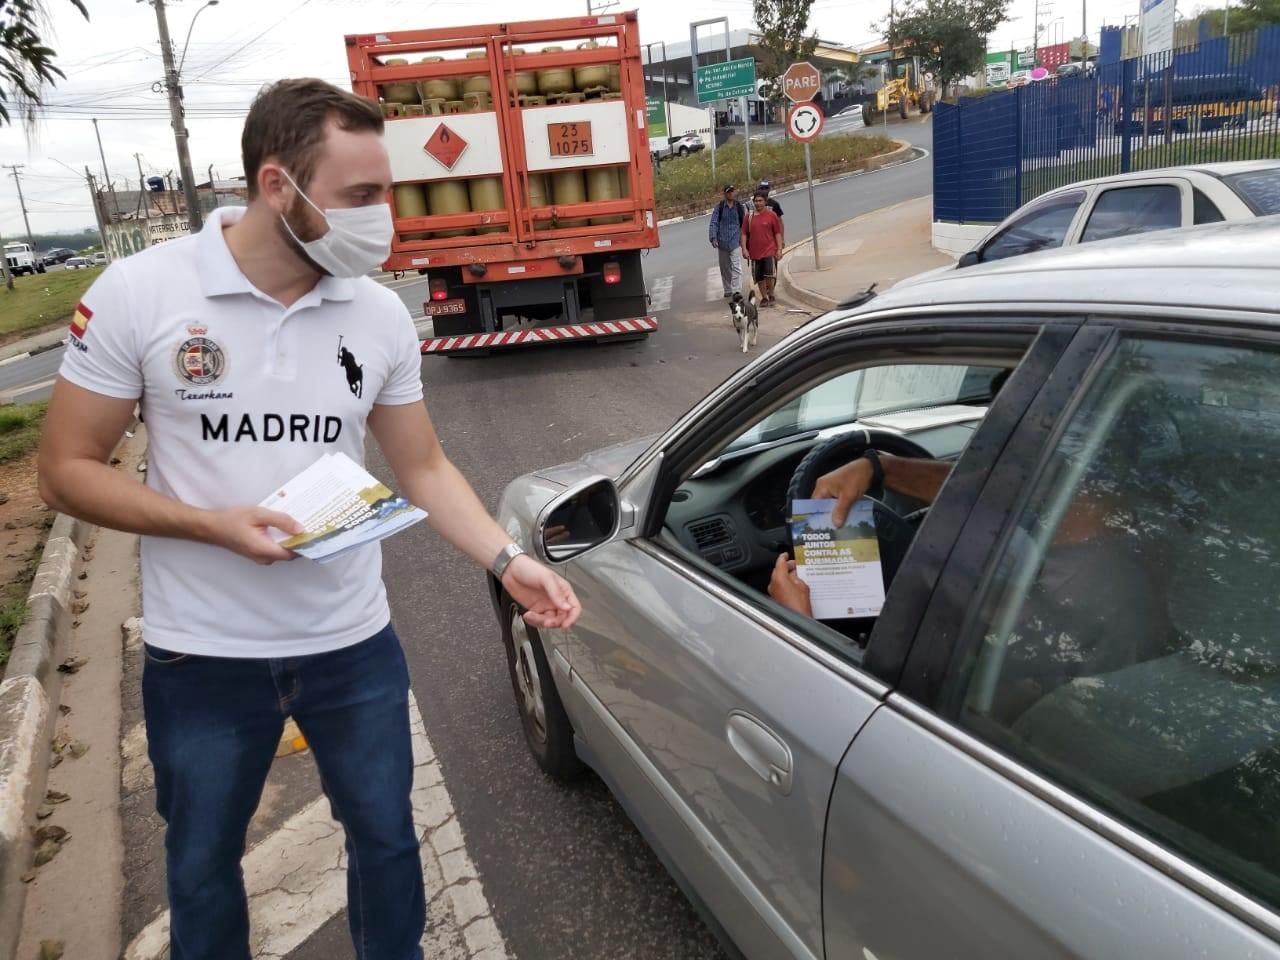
x=287, y=123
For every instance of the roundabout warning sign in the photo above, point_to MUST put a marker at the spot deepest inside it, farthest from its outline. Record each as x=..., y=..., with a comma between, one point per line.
x=804, y=122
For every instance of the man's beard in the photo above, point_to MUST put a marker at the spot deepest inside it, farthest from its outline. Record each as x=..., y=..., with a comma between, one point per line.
x=297, y=222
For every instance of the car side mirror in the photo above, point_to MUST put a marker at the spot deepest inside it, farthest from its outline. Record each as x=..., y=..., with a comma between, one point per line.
x=582, y=518
x=968, y=259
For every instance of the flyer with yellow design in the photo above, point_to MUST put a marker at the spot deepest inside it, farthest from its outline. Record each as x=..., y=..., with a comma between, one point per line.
x=840, y=565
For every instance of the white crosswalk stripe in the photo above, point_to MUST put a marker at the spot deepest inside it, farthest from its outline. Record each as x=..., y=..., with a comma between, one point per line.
x=296, y=878
x=714, y=290
x=660, y=294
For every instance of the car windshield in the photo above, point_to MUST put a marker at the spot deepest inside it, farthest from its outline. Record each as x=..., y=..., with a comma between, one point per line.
x=862, y=394
x=1258, y=188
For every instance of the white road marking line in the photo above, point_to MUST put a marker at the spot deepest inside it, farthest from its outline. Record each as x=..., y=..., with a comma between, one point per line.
x=15, y=358
x=296, y=878
x=714, y=290
x=660, y=294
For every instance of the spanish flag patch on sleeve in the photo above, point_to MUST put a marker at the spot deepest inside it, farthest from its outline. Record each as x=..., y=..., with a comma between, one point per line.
x=80, y=320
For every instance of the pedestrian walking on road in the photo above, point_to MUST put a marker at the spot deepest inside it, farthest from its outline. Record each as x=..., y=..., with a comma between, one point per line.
x=762, y=239
x=227, y=340
x=765, y=187
x=727, y=218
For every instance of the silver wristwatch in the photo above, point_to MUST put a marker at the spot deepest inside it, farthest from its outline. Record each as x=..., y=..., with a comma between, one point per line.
x=505, y=556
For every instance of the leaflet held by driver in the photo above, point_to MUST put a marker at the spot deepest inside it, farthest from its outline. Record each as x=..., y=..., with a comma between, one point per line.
x=840, y=565
x=341, y=506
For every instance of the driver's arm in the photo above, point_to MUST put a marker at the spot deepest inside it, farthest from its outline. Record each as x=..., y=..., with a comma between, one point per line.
x=909, y=476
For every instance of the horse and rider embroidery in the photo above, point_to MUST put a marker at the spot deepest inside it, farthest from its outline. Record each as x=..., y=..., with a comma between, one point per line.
x=353, y=370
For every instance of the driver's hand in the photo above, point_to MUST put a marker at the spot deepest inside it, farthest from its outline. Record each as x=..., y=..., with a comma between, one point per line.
x=787, y=588
x=845, y=486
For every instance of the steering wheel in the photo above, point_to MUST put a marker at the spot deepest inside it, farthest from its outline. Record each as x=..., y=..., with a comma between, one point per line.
x=894, y=531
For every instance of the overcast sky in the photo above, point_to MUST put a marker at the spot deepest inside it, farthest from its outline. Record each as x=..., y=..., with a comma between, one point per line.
x=112, y=61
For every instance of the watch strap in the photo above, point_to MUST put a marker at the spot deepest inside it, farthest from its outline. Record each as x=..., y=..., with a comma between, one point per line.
x=877, y=467
x=504, y=558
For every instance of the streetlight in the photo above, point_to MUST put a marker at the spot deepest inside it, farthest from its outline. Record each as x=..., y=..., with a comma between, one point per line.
x=183, y=59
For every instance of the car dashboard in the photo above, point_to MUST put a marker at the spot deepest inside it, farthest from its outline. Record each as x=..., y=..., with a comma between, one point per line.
x=733, y=512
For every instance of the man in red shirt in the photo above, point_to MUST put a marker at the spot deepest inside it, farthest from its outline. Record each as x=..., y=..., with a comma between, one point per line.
x=762, y=240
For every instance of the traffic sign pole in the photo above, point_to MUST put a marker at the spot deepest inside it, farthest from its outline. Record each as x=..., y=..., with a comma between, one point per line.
x=813, y=217
x=804, y=123
x=746, y=133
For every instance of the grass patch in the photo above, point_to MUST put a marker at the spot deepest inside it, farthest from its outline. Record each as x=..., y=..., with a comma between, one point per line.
x=12, y=613
x=20, y=429
x=42, y=300
x=1182, y=151
x=685, y=182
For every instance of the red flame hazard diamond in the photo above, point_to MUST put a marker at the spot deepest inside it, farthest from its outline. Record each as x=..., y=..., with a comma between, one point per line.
x=446, y=146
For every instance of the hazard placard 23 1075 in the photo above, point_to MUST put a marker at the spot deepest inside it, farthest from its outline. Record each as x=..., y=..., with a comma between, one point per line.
x=570, y=139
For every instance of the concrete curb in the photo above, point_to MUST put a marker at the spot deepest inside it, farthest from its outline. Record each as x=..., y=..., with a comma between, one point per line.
x=28, y=705
x=790, y=290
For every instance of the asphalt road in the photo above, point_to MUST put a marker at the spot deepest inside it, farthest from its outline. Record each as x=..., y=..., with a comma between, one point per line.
x=565, y=872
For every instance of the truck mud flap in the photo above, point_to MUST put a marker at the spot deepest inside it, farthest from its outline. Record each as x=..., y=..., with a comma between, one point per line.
x=604, y=330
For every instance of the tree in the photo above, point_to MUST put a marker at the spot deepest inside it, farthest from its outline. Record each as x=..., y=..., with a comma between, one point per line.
x=26, y=62
x=784, y=39
x=1245, y=16
x=949, y=36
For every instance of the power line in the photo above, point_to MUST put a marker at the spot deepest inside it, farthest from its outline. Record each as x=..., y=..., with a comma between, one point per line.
x=250, y=42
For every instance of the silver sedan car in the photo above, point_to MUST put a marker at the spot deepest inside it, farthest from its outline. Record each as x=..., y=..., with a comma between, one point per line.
x=1056, y=731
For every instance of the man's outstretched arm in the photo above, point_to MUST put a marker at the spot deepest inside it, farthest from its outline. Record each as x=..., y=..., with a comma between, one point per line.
x=81, y=429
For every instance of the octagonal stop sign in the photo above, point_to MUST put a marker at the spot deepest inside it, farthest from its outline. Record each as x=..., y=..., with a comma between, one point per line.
x=801, y=82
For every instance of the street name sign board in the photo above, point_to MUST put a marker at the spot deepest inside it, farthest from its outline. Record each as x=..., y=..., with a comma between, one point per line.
x=724, y=81
x=801, y=82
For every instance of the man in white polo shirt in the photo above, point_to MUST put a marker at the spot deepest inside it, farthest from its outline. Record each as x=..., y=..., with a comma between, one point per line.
x=256, y=347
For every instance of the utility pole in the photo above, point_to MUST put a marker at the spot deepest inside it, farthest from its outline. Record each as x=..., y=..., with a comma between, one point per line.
x=14, y=168
x=599, y=7
x=97, y=209
x=174, y=89
x=144, y=193
x=106, y=175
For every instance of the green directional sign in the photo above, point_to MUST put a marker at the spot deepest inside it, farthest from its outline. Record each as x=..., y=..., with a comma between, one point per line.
x=723, y=81
x=657, y=111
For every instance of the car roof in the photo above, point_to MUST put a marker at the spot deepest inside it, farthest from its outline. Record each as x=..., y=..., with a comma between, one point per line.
x=1216, y=266
x=1205, y=169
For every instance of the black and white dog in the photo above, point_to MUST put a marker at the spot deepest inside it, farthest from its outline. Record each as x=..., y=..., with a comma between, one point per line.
x=746, y=316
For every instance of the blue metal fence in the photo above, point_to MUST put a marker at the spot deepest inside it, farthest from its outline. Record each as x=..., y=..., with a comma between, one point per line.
x=1217, y=101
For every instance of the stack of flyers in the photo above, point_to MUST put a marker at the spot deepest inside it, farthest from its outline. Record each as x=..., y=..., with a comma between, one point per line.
x=840, y=565
x=341, y=506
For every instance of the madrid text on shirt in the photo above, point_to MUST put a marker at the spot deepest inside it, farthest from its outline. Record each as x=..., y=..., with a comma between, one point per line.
x=301, y=428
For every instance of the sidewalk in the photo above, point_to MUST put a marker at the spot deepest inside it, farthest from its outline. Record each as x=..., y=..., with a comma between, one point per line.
x=36, y=343
x=882, y=247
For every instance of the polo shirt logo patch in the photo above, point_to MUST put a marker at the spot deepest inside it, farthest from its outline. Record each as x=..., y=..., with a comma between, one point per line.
x=353, y=370
x=200, y=361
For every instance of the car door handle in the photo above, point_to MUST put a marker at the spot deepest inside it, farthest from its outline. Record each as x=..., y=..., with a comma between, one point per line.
x=761, y=749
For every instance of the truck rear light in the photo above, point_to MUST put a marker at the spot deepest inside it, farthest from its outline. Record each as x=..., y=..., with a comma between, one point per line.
x=612, y=273
x=439, y=289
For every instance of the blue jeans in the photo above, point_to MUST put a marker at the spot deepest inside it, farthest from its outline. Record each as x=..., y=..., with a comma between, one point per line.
x=213, y=725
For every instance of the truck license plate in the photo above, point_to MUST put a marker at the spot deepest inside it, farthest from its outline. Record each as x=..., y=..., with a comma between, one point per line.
x=570, y=139
x=445, y=308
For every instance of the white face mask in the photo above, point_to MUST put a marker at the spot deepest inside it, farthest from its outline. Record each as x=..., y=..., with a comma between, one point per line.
x=359, y=238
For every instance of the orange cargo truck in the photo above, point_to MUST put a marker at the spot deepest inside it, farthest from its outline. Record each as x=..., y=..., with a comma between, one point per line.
x=523, y=186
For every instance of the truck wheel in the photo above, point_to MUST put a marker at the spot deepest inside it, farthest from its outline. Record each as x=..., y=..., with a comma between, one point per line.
x=547, y=729
x=684, y=151
x=40, y=269
x=902, y=108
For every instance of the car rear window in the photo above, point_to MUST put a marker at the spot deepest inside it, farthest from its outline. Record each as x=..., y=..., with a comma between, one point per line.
x=1260, y=189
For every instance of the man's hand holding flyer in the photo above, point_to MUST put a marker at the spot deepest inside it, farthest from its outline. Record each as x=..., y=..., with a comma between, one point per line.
x=341, y=506
x=840, y=565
